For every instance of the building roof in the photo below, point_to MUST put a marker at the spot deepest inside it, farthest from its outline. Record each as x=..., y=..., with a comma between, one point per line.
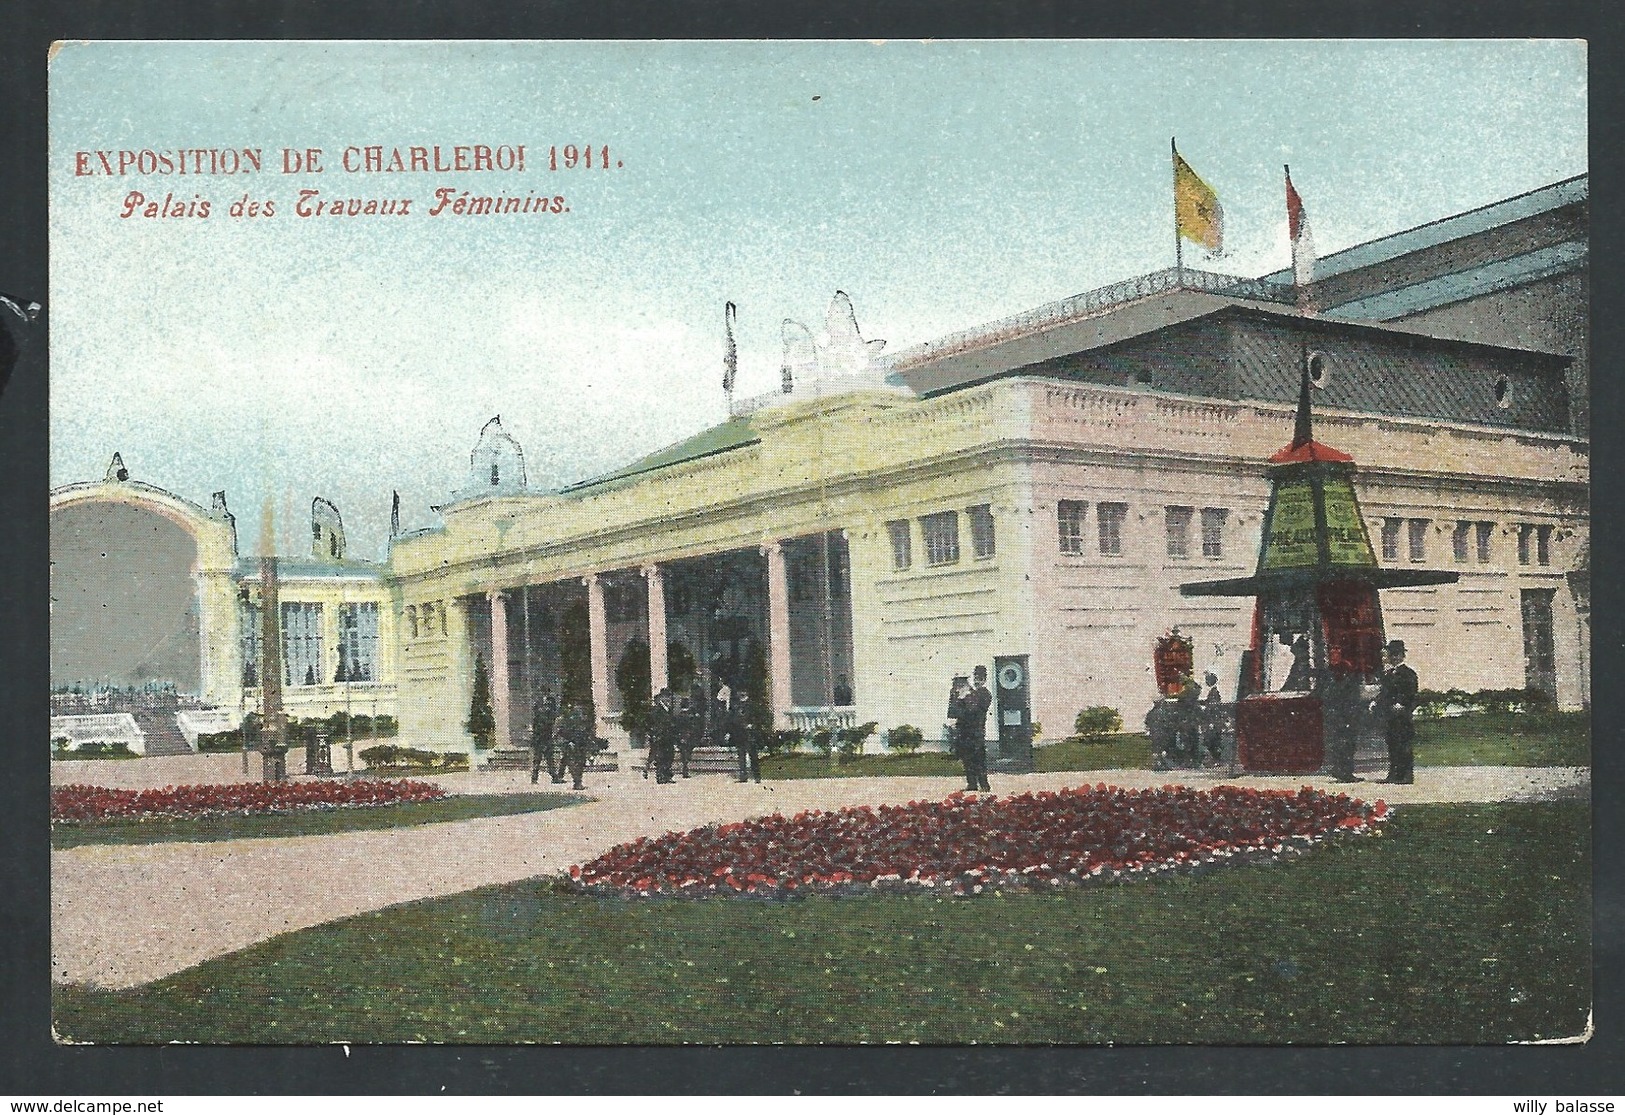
x=736, y=433
x=305, y=569
x=1445, y=229
x=1082, y=322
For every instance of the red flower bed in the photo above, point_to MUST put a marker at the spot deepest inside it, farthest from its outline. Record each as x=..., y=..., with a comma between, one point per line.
x=964, y=843
x=77, y=804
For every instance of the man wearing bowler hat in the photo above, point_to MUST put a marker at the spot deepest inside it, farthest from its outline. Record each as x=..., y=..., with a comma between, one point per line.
x=1396, y=701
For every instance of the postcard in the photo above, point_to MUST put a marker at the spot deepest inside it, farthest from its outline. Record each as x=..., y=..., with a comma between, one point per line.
x=906, y=542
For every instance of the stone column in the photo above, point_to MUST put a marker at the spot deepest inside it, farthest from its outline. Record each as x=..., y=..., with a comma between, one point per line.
x=499, y=665
x=778, y=631
x=329, y=668
x=598, y=640
x=659, y=670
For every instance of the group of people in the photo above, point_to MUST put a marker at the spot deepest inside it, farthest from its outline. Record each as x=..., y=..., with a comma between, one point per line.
x=1189, y=725
x=562, y=742
x=677, y=726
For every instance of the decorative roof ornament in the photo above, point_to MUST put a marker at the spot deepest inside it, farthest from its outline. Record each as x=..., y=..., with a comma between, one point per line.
x=841, y=358
x=116, y=472
x=496, y=467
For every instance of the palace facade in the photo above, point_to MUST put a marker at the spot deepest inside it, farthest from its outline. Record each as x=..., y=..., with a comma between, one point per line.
x=1034, y=489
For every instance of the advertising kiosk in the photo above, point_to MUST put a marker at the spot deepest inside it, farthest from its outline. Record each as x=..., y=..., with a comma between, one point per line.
x=1317, y=633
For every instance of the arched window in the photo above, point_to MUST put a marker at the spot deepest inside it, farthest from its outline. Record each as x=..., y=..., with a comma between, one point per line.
x=412, y=619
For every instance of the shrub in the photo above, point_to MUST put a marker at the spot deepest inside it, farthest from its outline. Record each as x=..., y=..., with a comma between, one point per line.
x=93, y=750
x=821, y=741
x=1038, y=731
x=849, y=741
x=385, y=756
x=905, y=739
x=785, y=741
x=1432, y=703
x=1096, y=723
x=220, y=741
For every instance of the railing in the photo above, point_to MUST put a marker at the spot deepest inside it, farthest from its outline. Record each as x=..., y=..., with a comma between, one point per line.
x=359, y=696
x=1086, y=304
x=811, y=718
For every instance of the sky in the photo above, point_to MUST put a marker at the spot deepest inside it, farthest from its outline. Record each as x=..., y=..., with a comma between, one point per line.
x=940, y=184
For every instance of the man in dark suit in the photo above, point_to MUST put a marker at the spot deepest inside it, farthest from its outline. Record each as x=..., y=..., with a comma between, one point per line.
x=970, y=729
x=744, y=736
x=1396, y=702
x=664, y=729
x=544, y=749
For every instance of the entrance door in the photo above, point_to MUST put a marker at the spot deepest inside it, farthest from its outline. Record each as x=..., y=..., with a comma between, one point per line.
x=1539, y=656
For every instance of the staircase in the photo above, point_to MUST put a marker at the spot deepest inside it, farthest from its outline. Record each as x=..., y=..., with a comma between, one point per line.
x=518, y=758
x=704, y=760
x=162, y=735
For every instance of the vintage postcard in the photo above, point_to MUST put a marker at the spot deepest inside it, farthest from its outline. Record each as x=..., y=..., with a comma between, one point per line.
x=819, y=542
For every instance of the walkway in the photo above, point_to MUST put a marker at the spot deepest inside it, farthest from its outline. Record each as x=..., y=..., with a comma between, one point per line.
x=127, y=914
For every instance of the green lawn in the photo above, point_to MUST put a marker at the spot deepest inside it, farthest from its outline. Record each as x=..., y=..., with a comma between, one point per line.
x=1529, y=739
x=315, y=822
x=1126, y=752
x=1461, y=924
x=1511, y=739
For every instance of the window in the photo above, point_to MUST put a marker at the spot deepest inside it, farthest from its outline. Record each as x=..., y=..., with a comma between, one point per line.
x=1111, y=517
x=302, y=644
x=1213, y=531
x=427, y=614
x=1069, y=518
x=493, y=474
x=1525, y=531
x=412, y=619
x=981, y=530
x=1543, y=545
x=1177, y=522
x=1390, y=539
x=1458, y=539
x=358, y=643
x=1419, y=539
x=1485, y=532
x=941, y=533
x=902, y=555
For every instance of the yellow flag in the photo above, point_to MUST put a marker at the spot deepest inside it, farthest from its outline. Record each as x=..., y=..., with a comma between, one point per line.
x=1196, y=208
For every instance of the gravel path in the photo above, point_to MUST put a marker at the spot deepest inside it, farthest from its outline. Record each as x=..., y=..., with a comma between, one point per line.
x=124, y=915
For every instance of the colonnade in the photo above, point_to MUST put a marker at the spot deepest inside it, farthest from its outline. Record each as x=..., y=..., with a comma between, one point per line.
x=654, y=575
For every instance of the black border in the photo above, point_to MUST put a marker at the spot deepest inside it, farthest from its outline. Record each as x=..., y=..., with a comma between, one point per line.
x=30, y=1064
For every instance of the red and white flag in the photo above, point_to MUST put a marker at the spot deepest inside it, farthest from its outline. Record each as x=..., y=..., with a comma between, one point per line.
x=1303, y=245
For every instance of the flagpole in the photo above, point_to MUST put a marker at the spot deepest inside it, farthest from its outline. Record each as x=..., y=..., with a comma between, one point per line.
x=1292, y=245
x=1179, y=249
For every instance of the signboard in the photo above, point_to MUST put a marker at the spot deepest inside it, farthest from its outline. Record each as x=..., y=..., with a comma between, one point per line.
x=1292, y=540
x=1013, y=698
x=1346, y=536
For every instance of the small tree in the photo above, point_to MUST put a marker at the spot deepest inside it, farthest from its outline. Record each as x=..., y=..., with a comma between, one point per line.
x=482, y=722
x=1096, y=723
x=632, y=678
x=849, y=741
x=905, y=739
